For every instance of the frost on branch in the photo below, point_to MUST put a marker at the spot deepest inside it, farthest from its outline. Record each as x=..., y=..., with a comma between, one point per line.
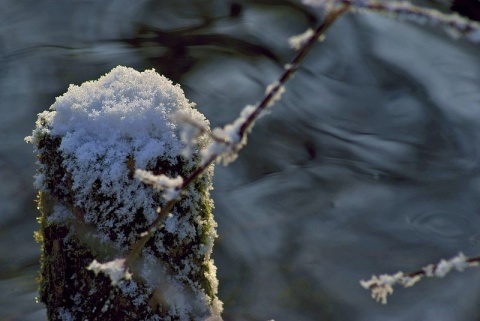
x=442, y=268
x=170, y=186
x=300, y=40
x=226, y=142
x=89, y=144
x=192, y=132
x=115, y=270
x=381, y=286
x=454, y=24
x=276, y=90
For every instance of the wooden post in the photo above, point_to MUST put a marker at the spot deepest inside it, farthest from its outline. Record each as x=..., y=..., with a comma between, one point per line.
x=88, y=145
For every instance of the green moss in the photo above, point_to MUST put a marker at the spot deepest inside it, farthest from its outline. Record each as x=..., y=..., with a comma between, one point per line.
x=69, y=246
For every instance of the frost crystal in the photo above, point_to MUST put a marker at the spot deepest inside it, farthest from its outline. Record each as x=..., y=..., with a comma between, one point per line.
x=381, y=286
x=191, y=130
x=277, y=95
x=458, y=263
x=227, y=141
x=298, y=41
x=171, y=186
x=115, y=270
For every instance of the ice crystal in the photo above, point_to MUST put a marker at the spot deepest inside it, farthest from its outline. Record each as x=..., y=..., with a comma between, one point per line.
x=381, y=286
x=115, y=270
x=298, y=41
x=171, y=186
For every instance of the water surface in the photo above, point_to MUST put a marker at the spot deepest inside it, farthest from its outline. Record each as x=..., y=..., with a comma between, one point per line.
x=368, y=165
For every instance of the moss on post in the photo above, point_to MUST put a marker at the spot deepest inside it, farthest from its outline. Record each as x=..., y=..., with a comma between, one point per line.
x=88, y=145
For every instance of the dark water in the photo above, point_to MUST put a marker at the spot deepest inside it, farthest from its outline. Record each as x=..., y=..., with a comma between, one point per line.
x=368, y=165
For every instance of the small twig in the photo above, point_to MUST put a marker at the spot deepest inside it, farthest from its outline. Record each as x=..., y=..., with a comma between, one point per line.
x=454, y=24
x=138, y=245
x=382, y=285
x=292, y=66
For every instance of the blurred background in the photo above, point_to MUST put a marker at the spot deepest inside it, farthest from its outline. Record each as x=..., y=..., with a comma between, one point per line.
x=368, y=165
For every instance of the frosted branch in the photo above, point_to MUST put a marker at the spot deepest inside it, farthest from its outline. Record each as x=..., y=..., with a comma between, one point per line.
x=298, y=41
x=192, y=128
x=116, y=270
x=381, y=286
x=170, y=186
x=454, y=24
x=227, y=141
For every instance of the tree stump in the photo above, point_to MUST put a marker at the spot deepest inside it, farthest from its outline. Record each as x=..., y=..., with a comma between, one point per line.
x=88, y=145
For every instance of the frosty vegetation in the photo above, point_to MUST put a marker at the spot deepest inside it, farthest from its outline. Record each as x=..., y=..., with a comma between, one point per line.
x=98, y=125
x=382, y=285
x=170, y=186
x=454, y=24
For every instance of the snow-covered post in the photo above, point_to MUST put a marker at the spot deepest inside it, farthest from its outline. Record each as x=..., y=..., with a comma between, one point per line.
x=93, y=207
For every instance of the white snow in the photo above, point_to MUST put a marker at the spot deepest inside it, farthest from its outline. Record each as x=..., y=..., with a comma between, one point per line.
x=107, y=119
x=102, y=124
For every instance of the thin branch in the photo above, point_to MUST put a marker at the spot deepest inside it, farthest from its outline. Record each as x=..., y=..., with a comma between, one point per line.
x=382, y=285
x=455, y=25
x=266, y=101
x=292, y=66
x=138, y=245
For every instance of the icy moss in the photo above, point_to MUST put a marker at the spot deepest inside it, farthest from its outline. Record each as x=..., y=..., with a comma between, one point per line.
x=88, y=145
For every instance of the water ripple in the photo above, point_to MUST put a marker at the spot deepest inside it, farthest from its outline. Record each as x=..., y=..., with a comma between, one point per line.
x=443, y=226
